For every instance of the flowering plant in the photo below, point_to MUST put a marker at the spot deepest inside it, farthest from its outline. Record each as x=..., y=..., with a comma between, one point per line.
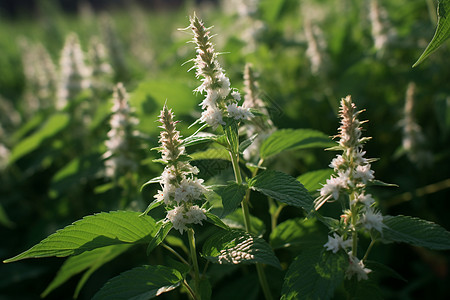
x=322, y=259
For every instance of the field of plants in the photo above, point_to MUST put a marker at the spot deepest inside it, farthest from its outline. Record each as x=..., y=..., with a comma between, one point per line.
x=244, y=149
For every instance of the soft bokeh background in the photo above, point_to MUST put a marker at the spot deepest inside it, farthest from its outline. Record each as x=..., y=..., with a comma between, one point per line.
x=308, y=55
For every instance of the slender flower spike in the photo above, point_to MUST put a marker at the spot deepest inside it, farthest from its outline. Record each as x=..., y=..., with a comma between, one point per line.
x=180, y=191
x=120, y=157
x=220, y=100
x=353, y=170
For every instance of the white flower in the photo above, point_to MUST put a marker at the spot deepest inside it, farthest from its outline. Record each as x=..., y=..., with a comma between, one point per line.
x=210, y=99
x=356, y=267
x=176, y=216
x=372, y=219
x=196, y=215
x=364, y=173
x=335, y=243
x=358, y=157
x=236, y=95
x=224, y=82
x=334, y=185
x=367, y=200
x=212, y=116
x=238, y=112
x=337, y=162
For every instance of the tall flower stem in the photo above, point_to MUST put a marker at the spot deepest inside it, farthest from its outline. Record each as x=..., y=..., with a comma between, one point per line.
x=194, y=261
x=245, y=211
x=354, y=220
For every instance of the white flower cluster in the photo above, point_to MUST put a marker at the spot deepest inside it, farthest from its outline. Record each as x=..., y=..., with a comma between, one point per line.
x=352, y=174
x=180, y=189
x=119, y=158
x=74, y=74
x=261, y=126
x=356, y=267
x=337, y=242
x=219, y=95
x=352, y=169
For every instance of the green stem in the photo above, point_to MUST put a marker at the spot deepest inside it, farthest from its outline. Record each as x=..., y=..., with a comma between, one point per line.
x=245, y=211
x=191, y=292
x=175, y=253
x=263, y=282
x=372, y=242
x=354, y=220
x=194, y=261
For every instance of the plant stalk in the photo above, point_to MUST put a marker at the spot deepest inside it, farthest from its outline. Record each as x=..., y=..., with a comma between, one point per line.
x=194, y=262
x=354, y=220
x=245, y=211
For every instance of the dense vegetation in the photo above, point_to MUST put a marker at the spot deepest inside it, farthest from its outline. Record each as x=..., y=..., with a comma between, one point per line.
x=57, y=158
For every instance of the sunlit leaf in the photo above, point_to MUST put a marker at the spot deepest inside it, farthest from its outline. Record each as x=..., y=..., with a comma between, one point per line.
x=95, y=231
x=238, y=247
x=144, y=282
x=442, y=30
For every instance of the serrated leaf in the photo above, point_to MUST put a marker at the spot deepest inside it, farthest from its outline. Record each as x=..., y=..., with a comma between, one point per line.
x=297, y=233
x=416, y=232
x=283, y=188
x=52, y=126
x=313, y=180
x=163, y=231
x=231, y=132
x=442, y=30
x=363, y=289
x=212, y=153
x=89, y=260
x=232, y=195
x=141, y=283
x=236, y=247
x=314, y=274
x=216, y=220
x=235, y=220
x=91, y=232
x=292, y=139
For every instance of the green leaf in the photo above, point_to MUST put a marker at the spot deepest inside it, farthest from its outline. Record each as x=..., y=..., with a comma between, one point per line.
x=246, y=143
x=314, y=274
x=151, y=181
x=313, y=180
x=232, y=195
x=91, y=232
x=237, y=246
x=198, y=139
x=164, y=229
x=212, y=153
x=216, y=220
x=205, y=289
x=363, y=289
x=141, y=283
x=297, y=233
x=154, y=204
x=416, y=232
x=90, y=260
x=283, y=188
x=235, y=220
x=52, y=126
x=293, y=139
x=442, y=31
x=231, y=132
